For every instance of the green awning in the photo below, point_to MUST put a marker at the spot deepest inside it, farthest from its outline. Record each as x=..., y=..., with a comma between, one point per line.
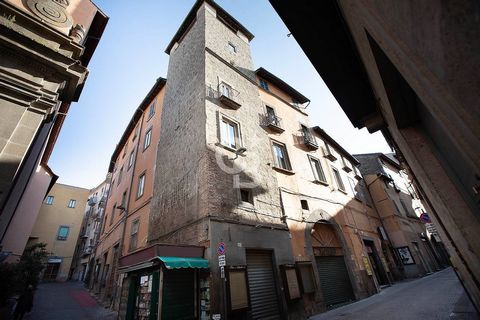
x=177, y=262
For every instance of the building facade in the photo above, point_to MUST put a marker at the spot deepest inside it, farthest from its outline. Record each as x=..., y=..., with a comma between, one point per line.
x=416, y=252
x=390, y=70
x=127, y=209
x=45, y=47
x=58, y=225
x=89, y=235
x=254, y=212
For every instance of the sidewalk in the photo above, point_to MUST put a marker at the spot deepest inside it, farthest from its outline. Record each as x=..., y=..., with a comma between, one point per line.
x=433, y=297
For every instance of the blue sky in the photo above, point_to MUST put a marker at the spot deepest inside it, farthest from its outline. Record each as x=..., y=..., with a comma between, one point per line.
x=131, y=56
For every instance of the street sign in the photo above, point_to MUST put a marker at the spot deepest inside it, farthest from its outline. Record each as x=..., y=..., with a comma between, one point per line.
x=221, y=249
x=216, y=316
x=425, y=218
x=221, y=261
x=222, y=272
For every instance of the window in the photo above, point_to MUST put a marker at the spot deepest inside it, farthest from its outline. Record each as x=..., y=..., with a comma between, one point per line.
x=113, y=214
x=352, y=184
x=151, y=111
x=304, y=204
x=246, y=196
x=135, y=133
x=318, y=173
x=229, y=133
x=63, y=233
x=225, y=90
x=111, y=189
x=280, y=155
x=72, y=203
x=232, y=48
x=338, y=179
x=263, y=84
x=133, y=235
x=141, y=185
x=120, y=175
x=49, y=200
x=148, y=139
x=124, y=199
x=131, y=158
x=408, y=211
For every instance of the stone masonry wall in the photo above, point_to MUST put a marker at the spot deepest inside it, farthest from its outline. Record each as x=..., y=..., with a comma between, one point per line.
x=177, y=191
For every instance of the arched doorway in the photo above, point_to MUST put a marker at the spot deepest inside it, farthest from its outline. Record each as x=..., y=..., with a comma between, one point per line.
x=332, y=271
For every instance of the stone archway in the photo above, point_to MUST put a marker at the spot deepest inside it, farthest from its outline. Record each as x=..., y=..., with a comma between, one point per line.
x=322, y=230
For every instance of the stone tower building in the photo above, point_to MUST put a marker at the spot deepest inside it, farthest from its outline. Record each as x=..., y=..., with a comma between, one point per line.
x=196, y=201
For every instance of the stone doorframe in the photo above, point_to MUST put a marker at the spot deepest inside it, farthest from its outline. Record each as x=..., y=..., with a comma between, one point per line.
x=318, y=216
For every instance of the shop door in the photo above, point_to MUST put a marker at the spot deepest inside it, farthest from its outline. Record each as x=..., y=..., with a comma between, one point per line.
x=261, y=283
x=178, y=301
x=334, y=280
x=51, y=272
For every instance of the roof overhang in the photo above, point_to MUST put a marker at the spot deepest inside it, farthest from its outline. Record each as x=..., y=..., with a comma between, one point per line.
x=282, y=85
x=322, y=33
x=232, y=22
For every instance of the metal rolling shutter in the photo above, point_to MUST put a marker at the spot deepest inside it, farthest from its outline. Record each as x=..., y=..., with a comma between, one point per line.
x=261, y=283
x=334, y=280
x=178, y=295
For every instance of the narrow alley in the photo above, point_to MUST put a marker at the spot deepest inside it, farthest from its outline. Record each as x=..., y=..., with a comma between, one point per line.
x=437, y=296
x=66, y=300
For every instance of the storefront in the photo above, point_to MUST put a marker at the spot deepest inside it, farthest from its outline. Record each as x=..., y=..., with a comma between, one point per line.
x=165, y=282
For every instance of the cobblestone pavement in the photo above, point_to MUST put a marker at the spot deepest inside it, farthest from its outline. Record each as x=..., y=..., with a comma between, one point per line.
x=435, y=297
x=66, y=301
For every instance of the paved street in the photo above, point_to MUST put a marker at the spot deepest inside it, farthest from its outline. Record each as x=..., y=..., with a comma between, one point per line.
x=437, y=296
x=68, y=300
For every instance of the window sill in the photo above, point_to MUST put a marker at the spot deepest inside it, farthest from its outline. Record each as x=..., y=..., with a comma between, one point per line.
x=234, y=150
x=342, y=191
x=285, y=171
x=246, y=206
x=320, y=182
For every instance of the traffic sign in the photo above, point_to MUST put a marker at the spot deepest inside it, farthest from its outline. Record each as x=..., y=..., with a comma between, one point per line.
x=221, y=261
x=221, y=248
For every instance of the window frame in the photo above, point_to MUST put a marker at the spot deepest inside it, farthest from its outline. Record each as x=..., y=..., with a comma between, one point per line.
x=131, y=158
x=112, y=215
x=224, y=120
x=315, y=172
x=134, y=235
x=63, y=238
x=47, y=198
x=141, y=177
x=338, y=179
x=148, y=134
x=283, y=146
x=151, y=110
x=263, y=84
x=72, y=201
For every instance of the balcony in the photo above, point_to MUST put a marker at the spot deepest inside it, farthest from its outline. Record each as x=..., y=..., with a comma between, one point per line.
x=226, y=95
x=274, y=123
x=309, y=141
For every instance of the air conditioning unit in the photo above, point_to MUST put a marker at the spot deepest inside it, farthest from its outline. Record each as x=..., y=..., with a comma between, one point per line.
x=92, y=201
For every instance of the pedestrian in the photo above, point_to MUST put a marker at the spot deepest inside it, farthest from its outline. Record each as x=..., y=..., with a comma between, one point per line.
x=24, y=304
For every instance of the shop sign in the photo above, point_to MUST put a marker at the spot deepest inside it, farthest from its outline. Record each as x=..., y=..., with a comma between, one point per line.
x=366, y=263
